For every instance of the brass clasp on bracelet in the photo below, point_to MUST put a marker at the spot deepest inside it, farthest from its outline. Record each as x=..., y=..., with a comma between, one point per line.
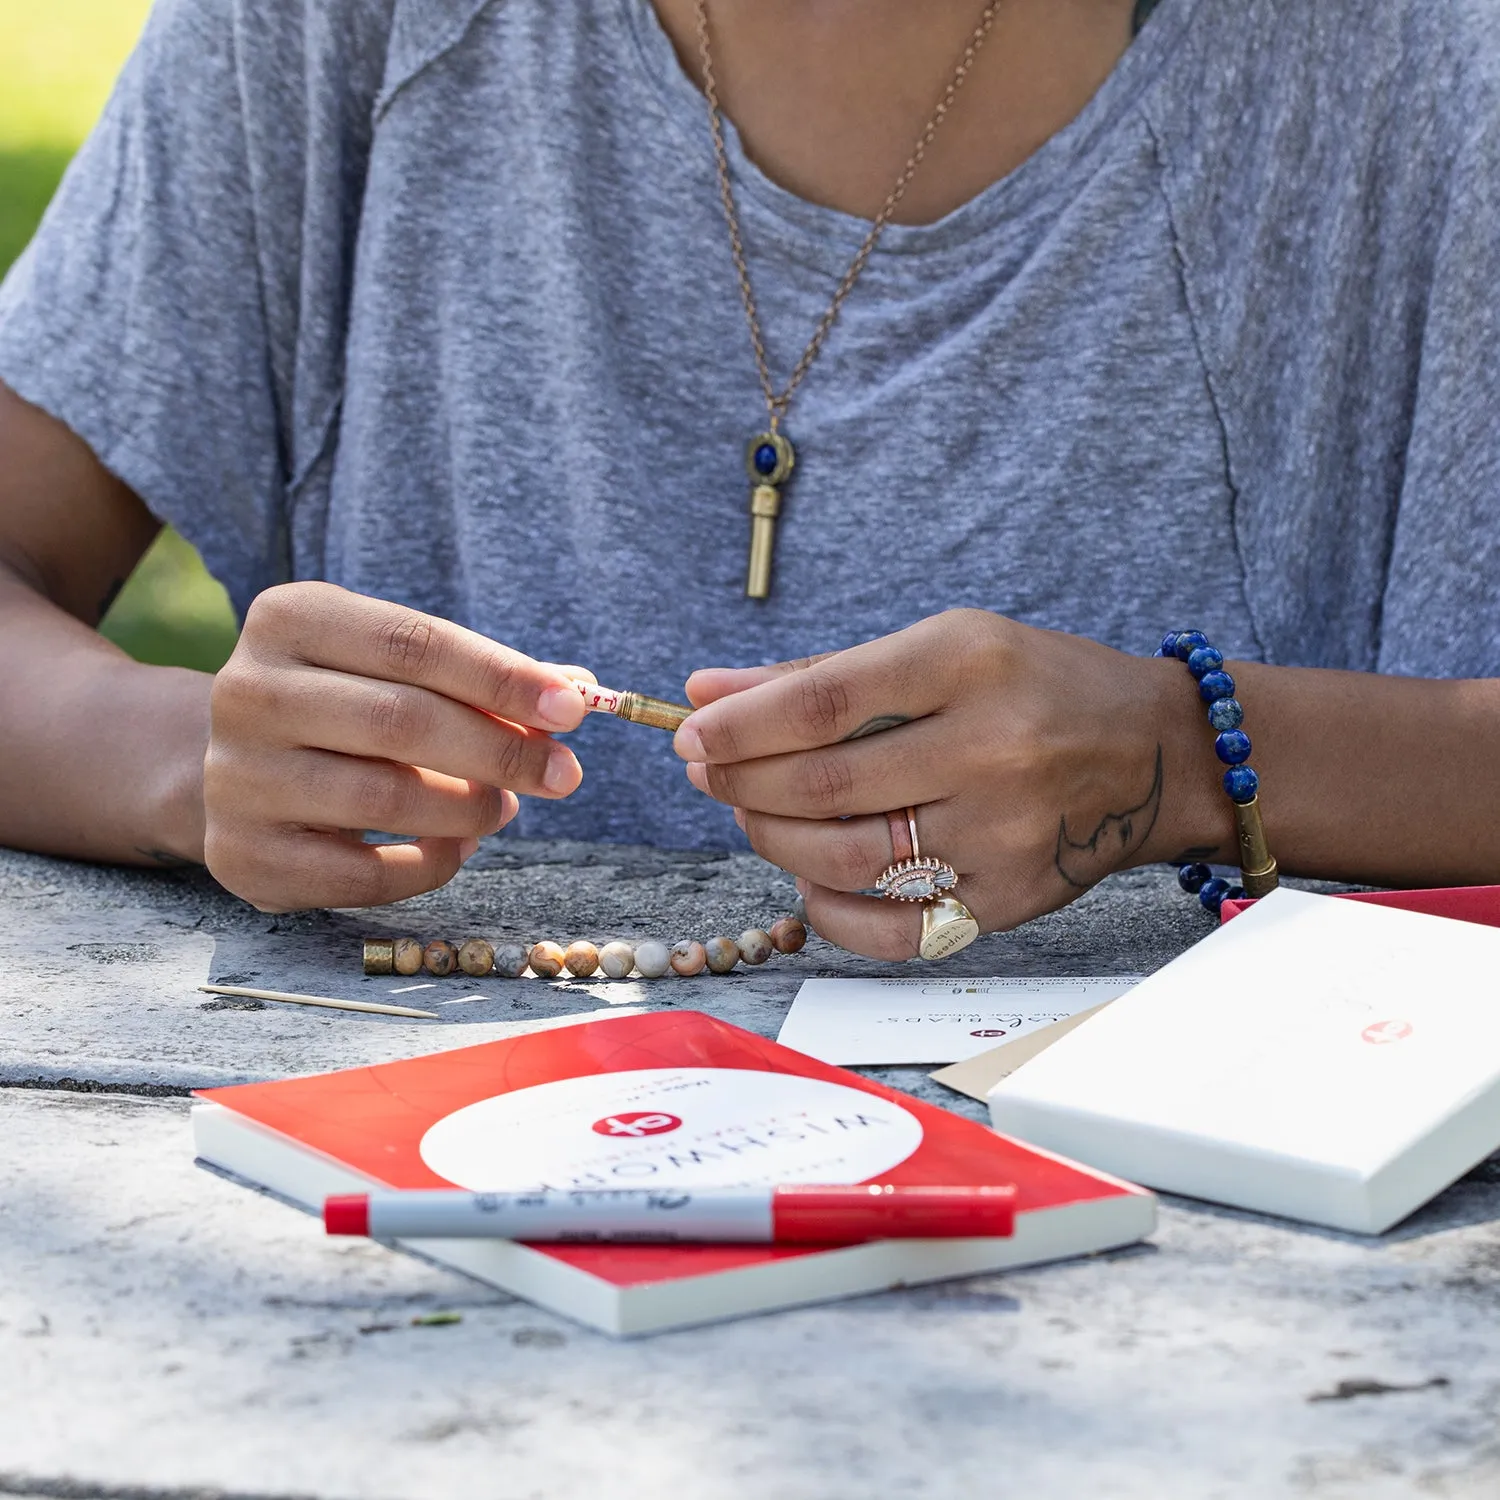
x=1258, y=873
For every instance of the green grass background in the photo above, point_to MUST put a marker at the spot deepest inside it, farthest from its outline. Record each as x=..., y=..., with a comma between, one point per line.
x=57, y=61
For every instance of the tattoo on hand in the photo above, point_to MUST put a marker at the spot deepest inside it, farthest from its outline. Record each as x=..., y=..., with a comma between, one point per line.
x=166, y=858
x=1117, y=836
x=1193, y=855
x=878, y=725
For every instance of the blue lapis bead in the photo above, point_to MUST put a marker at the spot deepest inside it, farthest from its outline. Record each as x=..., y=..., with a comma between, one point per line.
x=1226, y=713
x=1215, y=685
x=1168, y=645
x=1212, y=894
x=1192, y=878
x=1235, y=893
x=1188, y=641
x=1204, y=660
x=766, y=459
x=1233, y=747
x=1241, y=783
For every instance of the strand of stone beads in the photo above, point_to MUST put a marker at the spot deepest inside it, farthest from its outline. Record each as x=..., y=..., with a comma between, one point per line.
x=615, y=960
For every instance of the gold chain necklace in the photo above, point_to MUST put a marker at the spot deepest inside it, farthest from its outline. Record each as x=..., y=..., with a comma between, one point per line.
x=769, y=456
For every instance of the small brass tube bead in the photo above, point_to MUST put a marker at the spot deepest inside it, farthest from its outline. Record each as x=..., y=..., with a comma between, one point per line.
x=1258, y=872
x=379, y=955
x=765, y=506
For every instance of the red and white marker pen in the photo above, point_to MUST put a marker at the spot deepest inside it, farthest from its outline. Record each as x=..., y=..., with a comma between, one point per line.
x=750, y=1215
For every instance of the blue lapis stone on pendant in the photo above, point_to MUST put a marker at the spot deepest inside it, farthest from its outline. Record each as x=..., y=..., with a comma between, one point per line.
x=765, y=459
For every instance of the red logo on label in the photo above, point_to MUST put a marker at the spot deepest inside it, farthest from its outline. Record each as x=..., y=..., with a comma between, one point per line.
x=636, y=1122
x=986, y=1033
x=1387, y=1031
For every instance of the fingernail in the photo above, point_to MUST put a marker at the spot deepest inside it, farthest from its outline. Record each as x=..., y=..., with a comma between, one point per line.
x=560, y=707
x=739, y=817
x=562, y=773
x=688, y=743
x=467, y=850
x=801, y=886
x=697, y=773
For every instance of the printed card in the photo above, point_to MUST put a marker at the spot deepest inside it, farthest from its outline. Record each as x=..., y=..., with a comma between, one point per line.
x=890, y=1021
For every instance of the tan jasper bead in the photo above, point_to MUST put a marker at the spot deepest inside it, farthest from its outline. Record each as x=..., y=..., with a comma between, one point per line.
x=440, y=957
x=789, y=935
x=581, y=958
x=476, y=958
x=547, y=960
x=723, y=954
x=755, y=946
x=688, y=957
x=617, y=960
x=407, y=957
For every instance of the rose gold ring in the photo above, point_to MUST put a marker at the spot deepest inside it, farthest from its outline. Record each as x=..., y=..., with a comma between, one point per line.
x=901, y=839
x=910, y=877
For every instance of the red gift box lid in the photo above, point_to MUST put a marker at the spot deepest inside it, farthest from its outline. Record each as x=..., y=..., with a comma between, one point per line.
x=1464, y=903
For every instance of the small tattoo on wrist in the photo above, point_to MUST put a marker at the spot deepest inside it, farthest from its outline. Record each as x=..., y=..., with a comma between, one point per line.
x=1116, y=836
x=878, y=725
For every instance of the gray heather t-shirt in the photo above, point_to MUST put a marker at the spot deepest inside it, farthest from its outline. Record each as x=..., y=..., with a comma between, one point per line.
x=433, y=298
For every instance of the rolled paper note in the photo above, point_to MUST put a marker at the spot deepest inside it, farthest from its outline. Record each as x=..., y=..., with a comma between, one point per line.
x=636, y=708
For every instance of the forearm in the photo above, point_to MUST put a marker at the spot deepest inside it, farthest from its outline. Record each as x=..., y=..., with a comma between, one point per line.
x=100, y=757
x=1380, y=780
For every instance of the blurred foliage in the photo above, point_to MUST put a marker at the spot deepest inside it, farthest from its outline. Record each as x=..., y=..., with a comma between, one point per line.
x=58, y=59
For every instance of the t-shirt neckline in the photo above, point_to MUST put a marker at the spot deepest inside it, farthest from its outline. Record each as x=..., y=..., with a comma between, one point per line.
x=1048, y=171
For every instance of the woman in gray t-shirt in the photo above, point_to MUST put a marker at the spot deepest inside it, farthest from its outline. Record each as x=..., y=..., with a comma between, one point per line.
x=425, y=324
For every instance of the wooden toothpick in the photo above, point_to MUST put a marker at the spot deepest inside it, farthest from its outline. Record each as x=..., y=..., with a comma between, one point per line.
x=323, y=1000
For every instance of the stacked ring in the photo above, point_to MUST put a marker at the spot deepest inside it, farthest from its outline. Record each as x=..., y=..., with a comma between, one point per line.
x=947, y=924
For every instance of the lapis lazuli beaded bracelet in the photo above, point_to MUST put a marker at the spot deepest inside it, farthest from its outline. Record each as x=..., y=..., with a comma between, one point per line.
x=1232, y=746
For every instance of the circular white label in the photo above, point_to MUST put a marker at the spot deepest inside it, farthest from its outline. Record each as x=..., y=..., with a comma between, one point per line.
x=687, y=1127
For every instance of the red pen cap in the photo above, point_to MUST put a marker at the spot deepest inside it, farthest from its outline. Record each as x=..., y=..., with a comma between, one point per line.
x=347, y=1213
x=848, y=1215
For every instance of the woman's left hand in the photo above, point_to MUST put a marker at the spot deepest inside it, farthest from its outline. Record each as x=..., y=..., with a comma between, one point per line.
x=1037, y=763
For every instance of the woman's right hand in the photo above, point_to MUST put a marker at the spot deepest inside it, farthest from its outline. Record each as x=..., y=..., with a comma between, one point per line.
x=339, y=713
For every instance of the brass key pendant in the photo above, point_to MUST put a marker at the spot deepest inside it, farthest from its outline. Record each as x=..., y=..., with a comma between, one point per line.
x=769, y=460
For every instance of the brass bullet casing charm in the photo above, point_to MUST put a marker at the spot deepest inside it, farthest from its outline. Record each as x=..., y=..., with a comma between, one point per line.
x=1258, y=872
x=634, y=708
x=769, y=461
x=765, y=506
x=379, y=955
x=947, y=926
x=638, y=708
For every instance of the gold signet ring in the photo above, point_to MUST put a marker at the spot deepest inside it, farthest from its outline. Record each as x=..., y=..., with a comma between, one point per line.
x=947, y=926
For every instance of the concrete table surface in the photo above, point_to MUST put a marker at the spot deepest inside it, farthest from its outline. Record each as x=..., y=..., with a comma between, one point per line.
x=164, y=1332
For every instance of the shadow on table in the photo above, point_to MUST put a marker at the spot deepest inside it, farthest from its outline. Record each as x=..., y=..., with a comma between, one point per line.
x=1474, y=1199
